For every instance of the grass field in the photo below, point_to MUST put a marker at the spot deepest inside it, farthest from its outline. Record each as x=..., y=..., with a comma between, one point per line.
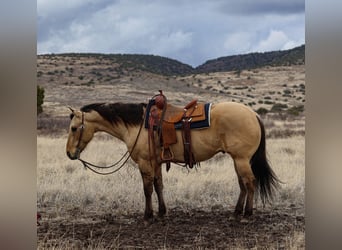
x=66, y=190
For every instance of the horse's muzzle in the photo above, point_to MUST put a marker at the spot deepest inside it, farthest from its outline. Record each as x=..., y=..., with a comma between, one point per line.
x=72, y=157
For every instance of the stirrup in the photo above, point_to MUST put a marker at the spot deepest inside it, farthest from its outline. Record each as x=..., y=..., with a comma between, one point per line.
x=166, y=154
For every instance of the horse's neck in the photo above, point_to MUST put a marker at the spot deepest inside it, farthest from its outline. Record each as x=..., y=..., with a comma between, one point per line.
x=127, y=134
x=119, y=131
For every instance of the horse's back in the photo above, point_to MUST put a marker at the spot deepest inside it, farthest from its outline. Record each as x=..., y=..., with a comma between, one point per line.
x=234, y=114
x=232, y=109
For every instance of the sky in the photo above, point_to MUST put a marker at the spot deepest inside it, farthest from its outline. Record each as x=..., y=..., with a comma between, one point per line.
x=190, y=31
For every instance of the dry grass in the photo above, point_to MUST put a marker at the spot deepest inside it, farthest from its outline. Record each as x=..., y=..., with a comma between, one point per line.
x=68, y=192
x=66, y=185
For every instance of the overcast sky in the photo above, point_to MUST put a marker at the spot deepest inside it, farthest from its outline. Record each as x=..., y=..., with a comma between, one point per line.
x=191, y=31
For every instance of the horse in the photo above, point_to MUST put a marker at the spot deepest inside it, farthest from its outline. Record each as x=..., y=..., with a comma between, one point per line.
x=234, y=129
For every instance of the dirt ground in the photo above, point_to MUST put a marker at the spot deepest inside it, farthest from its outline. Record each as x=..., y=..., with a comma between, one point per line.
x=192, y=229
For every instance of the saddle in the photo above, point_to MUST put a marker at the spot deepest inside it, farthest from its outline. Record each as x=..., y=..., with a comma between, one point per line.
x=163, y=117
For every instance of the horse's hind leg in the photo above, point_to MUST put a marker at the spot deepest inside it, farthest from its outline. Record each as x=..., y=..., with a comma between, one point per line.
x=158, y=186
x=242, y=198
x=247, y=184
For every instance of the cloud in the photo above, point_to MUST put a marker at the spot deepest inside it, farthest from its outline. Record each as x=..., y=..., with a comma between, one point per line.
x=189, y=31
x=239, y=42
x=262, y=7
x=167, y=44
x=276, y=40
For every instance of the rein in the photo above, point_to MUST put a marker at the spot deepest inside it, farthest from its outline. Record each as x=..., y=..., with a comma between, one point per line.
x=92, y=167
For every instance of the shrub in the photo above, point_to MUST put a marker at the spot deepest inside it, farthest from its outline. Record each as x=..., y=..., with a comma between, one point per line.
x=40, y=99
x=296, y=110
x=262, y=111
x=287, y=92
x=278, y=107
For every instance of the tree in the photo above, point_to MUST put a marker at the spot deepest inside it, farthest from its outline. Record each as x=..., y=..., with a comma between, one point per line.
x=40, y=99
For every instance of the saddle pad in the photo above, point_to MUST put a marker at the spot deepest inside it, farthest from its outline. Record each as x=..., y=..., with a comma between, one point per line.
x=199, y=124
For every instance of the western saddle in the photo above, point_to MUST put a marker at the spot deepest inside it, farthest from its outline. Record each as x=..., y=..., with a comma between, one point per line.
x=162, y=117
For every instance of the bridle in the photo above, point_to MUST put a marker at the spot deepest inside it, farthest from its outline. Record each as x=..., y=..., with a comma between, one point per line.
x=78, y=150
x=90, y=166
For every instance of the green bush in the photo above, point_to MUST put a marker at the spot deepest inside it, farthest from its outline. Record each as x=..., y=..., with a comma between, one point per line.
x=278, y=107
x=296, y=110
x=40, y=99
x=262, y=111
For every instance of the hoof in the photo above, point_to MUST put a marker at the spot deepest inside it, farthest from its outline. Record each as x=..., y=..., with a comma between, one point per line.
x=232, y=218
x=235, y=216
x=148, y=222
x=162, y=213
x=248, y=213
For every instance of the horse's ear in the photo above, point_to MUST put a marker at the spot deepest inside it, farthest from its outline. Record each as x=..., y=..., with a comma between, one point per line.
x=72, y=110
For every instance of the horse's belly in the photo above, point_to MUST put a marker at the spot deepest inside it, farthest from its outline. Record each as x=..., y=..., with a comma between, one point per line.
x=204, y=145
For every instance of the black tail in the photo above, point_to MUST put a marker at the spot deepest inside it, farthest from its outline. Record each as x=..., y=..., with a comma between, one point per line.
x=267, y=181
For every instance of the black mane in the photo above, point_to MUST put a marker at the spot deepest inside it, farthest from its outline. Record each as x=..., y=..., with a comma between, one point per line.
x=128, y=113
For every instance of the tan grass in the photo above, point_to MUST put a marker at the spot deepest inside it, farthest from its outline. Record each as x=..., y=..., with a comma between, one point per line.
x=66, y=190
x=65, y=184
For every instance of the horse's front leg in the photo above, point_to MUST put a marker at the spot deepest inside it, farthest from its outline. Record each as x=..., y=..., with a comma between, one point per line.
x=148, y=179
x=158, y=186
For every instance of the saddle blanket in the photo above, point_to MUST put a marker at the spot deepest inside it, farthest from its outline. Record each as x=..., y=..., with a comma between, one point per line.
x=193, y=125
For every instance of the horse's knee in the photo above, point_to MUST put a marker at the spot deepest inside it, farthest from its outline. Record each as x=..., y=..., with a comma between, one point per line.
x=148, y=186
x=148, y=180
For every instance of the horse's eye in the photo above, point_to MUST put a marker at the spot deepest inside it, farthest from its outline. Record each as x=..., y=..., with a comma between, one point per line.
x=71, y=116
x=73, y=129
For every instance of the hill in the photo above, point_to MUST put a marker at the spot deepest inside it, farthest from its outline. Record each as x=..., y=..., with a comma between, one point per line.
x=120, y=63
x=128, y=62
x=295, y=56
x=79, y=79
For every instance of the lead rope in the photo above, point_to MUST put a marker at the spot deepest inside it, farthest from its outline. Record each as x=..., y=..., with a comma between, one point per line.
x=90, y=166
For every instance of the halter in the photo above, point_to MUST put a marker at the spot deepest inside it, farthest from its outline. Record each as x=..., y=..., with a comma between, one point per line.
x=78, y=150
x=90, y=166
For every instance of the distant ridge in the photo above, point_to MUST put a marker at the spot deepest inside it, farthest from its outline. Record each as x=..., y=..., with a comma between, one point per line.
x=295, y=56
x=170, y=67
x=135, y=62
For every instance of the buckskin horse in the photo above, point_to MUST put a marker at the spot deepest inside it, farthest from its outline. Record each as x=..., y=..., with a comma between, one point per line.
x=234, y=129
